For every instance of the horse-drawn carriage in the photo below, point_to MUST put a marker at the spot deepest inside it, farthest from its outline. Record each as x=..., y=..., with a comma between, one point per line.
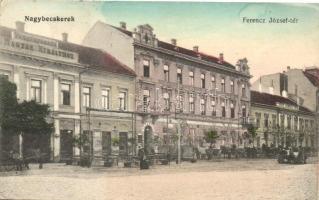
x=293, y=156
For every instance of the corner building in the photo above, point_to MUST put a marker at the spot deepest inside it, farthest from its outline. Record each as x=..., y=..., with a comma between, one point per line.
x=70, y=78
x=178, y=85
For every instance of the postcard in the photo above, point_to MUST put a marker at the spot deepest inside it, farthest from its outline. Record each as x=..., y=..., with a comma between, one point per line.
x=158, y=100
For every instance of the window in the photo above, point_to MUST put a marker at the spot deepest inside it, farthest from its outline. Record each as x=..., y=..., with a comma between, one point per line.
x=266, y=120
x=146, y=101
x=202, y=106
x=180, y=103
x=166, y=73
x=288, y=122
x=258, y=118
x=282, y=121
x=65, y=93
x=191, y=78
x=301, y=125
x=311, y=124
x=166, y=101
x=232, y=109
x=306, y=125
x=36, y=90
x=146, y=67
x=202, y=77
x=213, y=82
x=122, y=99
x=243, y=90
x=243, y=111
x=105, y=98
x=213, y=102
x=232, y=86
x=179, y=76
x=86, y=96
x=139, y=138
x=274, y=121
x=223, y=109
x=223, y=87
x=191, y=103
x=296, y=123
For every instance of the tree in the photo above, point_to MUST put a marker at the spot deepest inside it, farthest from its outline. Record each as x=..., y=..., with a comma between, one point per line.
x=252, y=131
x=32, y=118
x=28, y=117
x=8, y=102
x=8, y=107
x=211, y=137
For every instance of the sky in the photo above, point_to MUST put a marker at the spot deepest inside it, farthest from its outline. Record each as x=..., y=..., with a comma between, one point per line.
x=214, y=27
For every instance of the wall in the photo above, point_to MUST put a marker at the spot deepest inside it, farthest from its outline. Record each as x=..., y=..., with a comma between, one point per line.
x=119, y=45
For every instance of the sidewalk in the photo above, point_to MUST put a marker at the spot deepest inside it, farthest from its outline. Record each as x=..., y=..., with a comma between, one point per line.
x=61, y=169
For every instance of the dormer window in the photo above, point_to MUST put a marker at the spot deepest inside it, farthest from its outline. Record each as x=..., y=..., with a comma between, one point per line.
x=146, y=39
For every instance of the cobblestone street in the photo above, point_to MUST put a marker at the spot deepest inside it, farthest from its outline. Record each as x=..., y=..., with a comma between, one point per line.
x=231, y=179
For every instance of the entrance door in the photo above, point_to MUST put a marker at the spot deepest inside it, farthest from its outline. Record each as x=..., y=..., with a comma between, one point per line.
x=66, y=147
x=123, y=143
x=106, y=143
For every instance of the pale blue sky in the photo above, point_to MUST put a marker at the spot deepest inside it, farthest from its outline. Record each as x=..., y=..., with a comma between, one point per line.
x=214, y=27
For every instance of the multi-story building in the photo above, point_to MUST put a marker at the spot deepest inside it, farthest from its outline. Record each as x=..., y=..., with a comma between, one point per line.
x=281, y=121
x=178, y=85
x=70, y=78
x=301, y=86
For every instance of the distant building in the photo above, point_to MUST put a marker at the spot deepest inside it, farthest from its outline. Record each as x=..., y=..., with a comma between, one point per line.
x=70, y=78
x=178, y=85
x=301, y=86
x=281, y=121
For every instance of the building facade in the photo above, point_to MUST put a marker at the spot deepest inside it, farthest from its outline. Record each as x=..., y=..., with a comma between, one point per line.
x=70, y=78
x=175, y=85
x=281, y=121
x=301, y=86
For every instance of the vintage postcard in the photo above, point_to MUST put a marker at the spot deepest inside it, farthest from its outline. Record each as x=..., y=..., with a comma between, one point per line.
x=158, y=100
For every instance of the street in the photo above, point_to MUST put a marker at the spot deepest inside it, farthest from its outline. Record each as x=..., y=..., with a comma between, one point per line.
x=224, y=179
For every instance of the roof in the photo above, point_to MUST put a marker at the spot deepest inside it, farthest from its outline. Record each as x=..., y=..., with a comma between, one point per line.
x=312, y=78
x=272, y=100
x=96, y=59
x=188, y=52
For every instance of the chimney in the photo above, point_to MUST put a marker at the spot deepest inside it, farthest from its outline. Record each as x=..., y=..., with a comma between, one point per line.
x=20, y=26
x=173, y=41
x=64, y=37
x=195, y=48
x=284, y=94
x=221, y=57
x=260, y=86
x=271, y=88
x=123, y=25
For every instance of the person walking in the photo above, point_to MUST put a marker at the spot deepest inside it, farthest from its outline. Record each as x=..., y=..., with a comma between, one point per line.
x=39, y=157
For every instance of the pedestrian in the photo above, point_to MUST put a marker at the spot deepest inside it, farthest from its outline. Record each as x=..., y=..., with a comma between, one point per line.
x=39, y=157
x=17, y=159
